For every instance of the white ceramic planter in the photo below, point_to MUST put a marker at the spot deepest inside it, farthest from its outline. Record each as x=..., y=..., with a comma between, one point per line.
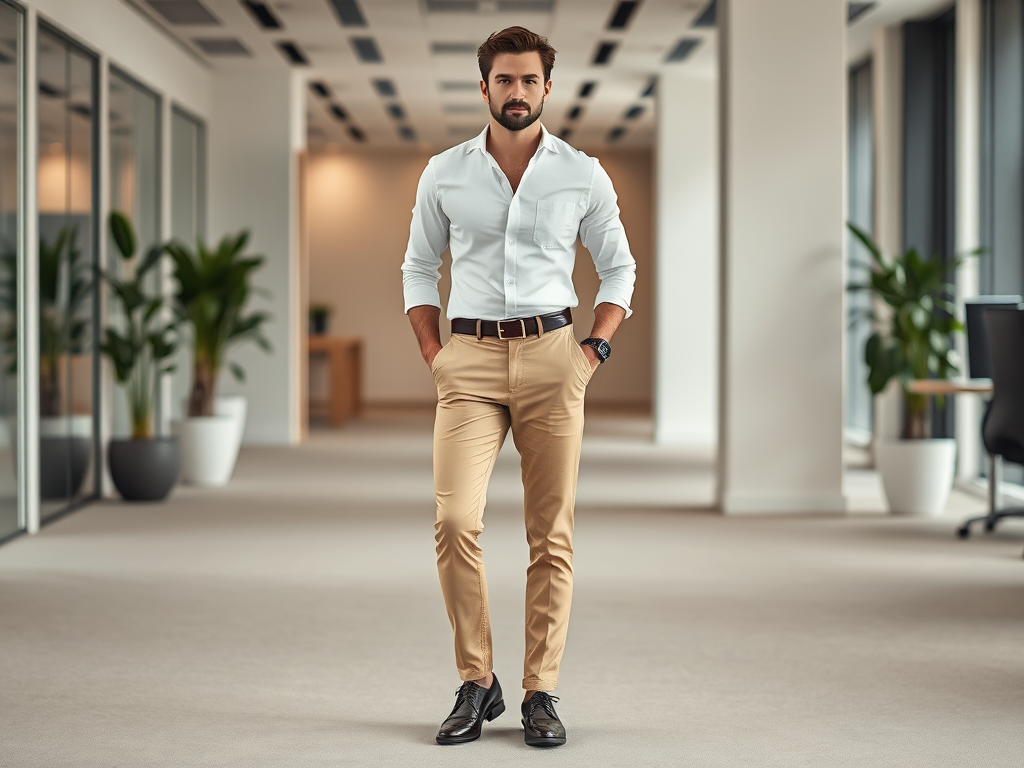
x=917, y=475
x=209, y=444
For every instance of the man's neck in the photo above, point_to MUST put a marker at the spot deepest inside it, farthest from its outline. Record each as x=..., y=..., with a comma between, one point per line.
x=514, y=145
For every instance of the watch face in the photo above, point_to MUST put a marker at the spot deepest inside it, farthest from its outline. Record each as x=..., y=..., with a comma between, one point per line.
x=602, y=347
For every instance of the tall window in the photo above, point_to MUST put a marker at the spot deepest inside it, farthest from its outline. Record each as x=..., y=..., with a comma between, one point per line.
x=68, y=451
x=861, y=180
x=1002, y=167
x=11, y=22
x=929, y=150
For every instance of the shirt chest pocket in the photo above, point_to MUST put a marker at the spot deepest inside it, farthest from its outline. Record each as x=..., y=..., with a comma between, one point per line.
x=556, y=225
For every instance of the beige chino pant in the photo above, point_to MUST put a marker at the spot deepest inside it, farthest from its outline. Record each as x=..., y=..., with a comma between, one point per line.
x=485, y=386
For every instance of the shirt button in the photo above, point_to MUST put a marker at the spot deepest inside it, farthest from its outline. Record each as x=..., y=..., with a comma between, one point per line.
x=510, y=281
x=511, y=242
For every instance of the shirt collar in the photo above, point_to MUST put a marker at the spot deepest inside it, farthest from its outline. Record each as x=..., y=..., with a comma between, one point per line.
x=547, y=141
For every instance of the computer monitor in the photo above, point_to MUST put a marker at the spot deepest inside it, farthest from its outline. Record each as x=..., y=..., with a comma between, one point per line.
x=979, y=362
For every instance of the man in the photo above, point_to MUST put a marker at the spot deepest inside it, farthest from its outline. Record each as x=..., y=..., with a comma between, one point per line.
x=510, y=204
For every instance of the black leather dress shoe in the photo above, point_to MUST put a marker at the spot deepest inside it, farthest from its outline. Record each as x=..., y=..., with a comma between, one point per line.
x=473, y=705
x=540, y=721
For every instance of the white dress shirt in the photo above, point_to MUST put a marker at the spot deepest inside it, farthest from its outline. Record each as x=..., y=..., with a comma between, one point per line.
x=513, y=253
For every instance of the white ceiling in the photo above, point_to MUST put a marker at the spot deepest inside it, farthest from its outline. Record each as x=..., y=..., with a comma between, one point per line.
x=439, y=117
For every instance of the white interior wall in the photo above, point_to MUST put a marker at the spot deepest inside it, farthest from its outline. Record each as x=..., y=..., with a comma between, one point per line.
x=256, y=134
x=783, y=79
x=686, y=327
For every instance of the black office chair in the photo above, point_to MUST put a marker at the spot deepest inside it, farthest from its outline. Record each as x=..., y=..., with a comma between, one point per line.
x=1003, y=427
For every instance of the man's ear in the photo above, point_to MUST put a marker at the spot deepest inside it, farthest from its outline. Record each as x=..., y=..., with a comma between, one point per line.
x=484, y=93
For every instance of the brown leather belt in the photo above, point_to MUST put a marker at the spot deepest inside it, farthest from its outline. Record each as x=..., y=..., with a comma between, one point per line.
x=518, y=328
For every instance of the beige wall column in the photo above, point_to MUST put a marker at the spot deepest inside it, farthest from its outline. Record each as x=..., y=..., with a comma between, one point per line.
x=256, y=132
x=968, y=214
x=686, y=262
x=887, y=68
x=783, y=91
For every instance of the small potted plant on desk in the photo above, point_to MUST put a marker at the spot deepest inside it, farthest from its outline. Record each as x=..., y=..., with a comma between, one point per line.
x=144, y=467
x=214, y=287
x=914, y=342
x=318, y=316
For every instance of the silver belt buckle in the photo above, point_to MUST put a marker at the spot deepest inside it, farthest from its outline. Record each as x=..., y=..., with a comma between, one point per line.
x=520, y=325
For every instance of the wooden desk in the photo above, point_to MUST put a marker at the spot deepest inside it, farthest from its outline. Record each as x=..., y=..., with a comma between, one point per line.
x=345, y=358
x=951, y=386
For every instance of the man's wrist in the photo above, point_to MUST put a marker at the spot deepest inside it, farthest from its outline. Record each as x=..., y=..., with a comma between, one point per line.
x=602, y=349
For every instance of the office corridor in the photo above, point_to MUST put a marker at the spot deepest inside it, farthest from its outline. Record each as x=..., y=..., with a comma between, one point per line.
x=294, y=619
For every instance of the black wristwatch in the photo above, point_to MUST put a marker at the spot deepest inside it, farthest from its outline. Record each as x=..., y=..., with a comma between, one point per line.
x=602, y=347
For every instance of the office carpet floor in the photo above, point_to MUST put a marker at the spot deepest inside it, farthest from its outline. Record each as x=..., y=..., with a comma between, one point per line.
x=294, y=619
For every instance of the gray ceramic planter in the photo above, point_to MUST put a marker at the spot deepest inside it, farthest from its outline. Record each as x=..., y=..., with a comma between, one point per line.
x=144, y=470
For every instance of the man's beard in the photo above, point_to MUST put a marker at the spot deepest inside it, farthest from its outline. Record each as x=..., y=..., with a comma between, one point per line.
x=516, y=122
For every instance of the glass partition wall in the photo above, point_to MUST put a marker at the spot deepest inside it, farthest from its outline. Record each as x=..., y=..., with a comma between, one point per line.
x=188, y=203
x=11, y=21
x=68, y=366
x=134, y=187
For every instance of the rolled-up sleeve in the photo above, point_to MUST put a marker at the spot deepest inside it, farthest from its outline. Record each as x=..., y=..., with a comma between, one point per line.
x=428, y=237
x=602, y=234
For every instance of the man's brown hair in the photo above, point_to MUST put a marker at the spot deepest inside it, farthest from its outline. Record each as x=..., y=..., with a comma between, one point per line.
x=515, y=40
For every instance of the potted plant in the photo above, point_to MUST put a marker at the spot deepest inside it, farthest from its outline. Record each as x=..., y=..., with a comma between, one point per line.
x=913, y=342
x=65, y=288
x=214, y=287
x=143, y=467
x=318, y=316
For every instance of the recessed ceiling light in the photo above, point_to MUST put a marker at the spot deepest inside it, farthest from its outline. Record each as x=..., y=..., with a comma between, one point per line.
x=263, y=14
x=221, y=46
x=708, y=17
x=604, y=52
x=348, y=12
x=184, y=12
x=683, y=49
x=366, y=49
x=293, y=53
x=385, y=87
x=623, y=12
x=319, y=87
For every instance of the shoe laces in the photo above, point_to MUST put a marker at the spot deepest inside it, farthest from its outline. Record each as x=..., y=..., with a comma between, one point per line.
x=464, y=693
x=541, y=700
